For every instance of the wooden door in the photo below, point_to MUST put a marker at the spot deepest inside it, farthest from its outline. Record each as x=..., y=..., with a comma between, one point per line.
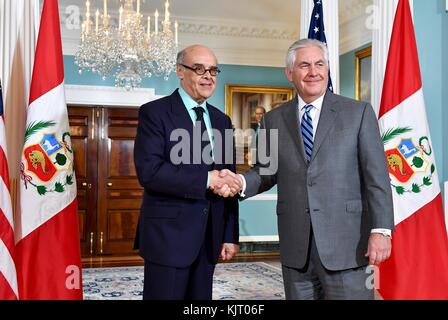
x=119, y=193
x=83, y=131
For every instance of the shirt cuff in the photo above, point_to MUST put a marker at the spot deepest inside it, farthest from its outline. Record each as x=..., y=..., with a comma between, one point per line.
x=385, y=232
x=243, y=189
x=208, y=180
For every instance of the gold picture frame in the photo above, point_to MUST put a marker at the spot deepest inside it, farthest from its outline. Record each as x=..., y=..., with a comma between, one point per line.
x=363, y=66
x=241, y=103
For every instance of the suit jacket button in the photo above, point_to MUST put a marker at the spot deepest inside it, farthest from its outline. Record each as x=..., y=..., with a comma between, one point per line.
x=205, y=211
x=307, y=210
x=310, y=183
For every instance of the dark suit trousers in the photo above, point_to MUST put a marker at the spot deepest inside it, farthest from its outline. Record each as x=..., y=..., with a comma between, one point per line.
x=190, y=283
x=315, y=282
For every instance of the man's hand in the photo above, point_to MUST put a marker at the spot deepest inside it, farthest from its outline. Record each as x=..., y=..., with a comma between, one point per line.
x=225, y=183
x=379, y=248
x=229, y=250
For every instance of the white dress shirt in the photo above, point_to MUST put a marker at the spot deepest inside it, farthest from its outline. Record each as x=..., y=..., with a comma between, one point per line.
x=314, y=112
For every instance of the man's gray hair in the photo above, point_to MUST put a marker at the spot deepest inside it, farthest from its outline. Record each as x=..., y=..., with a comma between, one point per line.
x=180, y=57
x=304, y=43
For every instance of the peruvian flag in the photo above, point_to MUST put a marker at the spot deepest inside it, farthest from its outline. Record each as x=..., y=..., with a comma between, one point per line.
x=418, y=266
x=48, y=250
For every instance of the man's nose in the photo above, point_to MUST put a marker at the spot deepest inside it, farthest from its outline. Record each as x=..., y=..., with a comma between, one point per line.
x=207, y=74
x=312, y=70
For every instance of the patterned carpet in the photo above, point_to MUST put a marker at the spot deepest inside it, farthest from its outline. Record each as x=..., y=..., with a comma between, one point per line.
x=232, y=281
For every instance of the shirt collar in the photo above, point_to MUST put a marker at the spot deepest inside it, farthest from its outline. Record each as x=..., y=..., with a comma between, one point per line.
x=316, y=103
x=189, y=101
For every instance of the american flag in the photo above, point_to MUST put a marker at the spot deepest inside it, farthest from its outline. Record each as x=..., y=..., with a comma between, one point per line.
x=317, y=30
x=8, y=277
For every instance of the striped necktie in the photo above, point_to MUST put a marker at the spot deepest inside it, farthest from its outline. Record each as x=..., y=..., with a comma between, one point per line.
x=205, y=141
x=306, y=127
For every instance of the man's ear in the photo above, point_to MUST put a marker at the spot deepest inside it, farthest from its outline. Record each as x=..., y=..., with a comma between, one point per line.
x=179, y=72
x=288, y=74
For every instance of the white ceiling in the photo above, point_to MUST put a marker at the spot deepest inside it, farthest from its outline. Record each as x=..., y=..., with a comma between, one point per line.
x=256, y=32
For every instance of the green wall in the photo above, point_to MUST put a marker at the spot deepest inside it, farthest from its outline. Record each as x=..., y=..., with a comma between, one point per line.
x=431, y=30
x=445, y=95
x=347, y=72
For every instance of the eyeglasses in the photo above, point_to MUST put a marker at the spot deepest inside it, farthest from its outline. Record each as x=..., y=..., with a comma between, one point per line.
x=200, y=70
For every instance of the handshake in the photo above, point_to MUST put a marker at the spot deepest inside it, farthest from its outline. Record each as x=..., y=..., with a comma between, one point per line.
x=225, y=183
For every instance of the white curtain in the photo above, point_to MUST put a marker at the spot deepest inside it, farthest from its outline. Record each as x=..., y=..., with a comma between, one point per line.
x=18, y=37
x=384, y=14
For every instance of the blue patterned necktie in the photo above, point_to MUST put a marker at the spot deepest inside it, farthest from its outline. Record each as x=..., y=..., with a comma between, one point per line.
x=306, y=127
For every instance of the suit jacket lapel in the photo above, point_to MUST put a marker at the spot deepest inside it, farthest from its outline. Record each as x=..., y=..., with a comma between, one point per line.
x=292, y=123
x=180, y=115
x=214, y=119
x=219, y=142
x=326, y=121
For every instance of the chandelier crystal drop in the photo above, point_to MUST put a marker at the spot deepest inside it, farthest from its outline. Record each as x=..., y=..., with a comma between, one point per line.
x=130, y=48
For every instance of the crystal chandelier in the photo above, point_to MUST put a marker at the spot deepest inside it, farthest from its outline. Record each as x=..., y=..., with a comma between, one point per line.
x=127, y=48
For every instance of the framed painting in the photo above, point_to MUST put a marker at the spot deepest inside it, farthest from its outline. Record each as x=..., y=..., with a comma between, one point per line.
x=363, y=67
x=246, y=105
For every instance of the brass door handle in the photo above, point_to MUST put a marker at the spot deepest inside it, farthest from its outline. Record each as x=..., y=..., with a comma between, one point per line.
x=103, y=121
x=101, y=242
x=93, y=124
x=91, y=243
x=88, y=185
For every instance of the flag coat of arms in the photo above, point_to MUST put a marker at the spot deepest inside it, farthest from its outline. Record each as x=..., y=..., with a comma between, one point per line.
x=48, y=248
x=418, y=266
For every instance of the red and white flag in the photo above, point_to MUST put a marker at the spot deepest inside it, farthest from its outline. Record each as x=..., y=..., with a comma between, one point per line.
x=48, y=249
x=8, y=277
x=418, y=266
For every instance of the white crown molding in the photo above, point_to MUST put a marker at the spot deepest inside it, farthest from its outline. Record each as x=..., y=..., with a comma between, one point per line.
x=353, y=21
x=354, y=34
x=237, y=28
x=348, y=10
x=354, y=41
x=108, y=96
x=236, y=31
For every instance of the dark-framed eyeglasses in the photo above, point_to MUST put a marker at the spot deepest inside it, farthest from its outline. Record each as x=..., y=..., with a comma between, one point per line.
x=200, y=70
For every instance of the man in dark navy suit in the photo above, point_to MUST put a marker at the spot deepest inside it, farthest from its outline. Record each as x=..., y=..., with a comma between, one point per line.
x=184, y=227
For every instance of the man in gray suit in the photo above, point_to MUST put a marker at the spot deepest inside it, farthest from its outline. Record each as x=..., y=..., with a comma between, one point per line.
x=335, y=211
